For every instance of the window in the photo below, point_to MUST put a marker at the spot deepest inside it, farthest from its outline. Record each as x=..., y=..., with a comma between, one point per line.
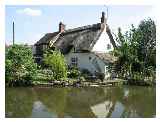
x=106, y=69
x=108, y=46
x=44, y=47
x=74, y=61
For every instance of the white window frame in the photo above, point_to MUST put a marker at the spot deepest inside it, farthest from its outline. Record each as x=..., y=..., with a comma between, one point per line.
x=74, y=61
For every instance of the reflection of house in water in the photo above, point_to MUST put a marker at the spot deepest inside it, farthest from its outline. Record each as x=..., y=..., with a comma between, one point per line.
x=102, y=109
x=80, y=102
x=92, y=102
x=40, y=111
x=118, y=110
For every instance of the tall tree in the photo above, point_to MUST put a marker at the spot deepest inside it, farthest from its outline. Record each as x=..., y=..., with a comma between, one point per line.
x=137, y=50
x=147, y=43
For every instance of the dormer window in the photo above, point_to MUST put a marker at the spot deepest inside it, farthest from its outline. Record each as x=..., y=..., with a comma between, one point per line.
x=108, y=46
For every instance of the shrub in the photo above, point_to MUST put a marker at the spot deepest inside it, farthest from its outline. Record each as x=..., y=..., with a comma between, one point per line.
x=73, y=73
x=20, y=66
x=85, y=73
x=55, y=61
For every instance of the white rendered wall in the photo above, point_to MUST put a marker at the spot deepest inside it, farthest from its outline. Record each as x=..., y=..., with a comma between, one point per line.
x=85, y=63
x=33, y=50
x=101, y=44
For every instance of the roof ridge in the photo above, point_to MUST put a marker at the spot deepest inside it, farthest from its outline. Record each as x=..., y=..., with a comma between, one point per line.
x=76, y=29
x=82, y=28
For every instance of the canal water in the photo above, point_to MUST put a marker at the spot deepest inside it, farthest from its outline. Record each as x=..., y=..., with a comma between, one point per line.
x=124, y=101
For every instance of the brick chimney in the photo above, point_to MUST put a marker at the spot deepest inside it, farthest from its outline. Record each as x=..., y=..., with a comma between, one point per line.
x=103, y=21
x=61, y=27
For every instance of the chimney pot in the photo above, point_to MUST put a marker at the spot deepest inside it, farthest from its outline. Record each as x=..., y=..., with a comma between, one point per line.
x=61, y=27
x=103, y=19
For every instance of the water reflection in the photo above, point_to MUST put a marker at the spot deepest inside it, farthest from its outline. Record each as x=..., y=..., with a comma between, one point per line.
x=40, y=110
x=81, y=102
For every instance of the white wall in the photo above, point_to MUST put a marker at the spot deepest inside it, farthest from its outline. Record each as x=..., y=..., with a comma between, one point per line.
x=101, y=44
x=84, y=62
x=33, y=50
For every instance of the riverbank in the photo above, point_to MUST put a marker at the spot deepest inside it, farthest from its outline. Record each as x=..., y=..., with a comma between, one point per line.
x=91, y=83
x=82, y=83
x=77, y=83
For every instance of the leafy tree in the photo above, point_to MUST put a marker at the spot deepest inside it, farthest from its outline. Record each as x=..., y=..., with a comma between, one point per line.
x=126, y=53
x=56, y=62
x=147, y=44
x=19, y=64
x=137, y=51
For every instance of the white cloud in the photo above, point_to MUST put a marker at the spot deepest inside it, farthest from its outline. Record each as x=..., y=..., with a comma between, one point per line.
x=30, y=12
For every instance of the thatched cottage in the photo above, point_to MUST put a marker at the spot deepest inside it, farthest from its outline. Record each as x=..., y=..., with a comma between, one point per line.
x=85, y=47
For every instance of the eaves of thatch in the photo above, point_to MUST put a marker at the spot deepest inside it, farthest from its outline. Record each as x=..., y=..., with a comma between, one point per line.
x=106, y=57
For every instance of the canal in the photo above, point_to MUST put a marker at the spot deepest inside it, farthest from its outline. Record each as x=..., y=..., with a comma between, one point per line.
x=113, y=102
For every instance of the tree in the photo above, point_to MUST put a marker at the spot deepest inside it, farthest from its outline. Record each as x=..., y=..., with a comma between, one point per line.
x=56, y=62
x=137, y=50
x=147, y=44
x=19, y=64
x=126, y=52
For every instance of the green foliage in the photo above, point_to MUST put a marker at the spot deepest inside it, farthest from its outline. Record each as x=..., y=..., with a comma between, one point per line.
x=44, y=75
x=82, y=78
x=147, y=43
x=137, y=51
x=19, y=64
x=55, y=61
x=73, y=73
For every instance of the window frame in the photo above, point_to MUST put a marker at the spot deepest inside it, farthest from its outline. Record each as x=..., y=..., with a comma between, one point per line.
x=74, y=61
x=108, y=46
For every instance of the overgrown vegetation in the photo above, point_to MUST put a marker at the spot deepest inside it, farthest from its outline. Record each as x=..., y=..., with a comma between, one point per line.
x=137, y=52
x=73, y=72
x=55, y=61
x=19, y=65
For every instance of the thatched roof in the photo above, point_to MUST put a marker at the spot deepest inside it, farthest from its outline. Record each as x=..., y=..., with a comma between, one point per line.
x=81, y=38
x=106, y=57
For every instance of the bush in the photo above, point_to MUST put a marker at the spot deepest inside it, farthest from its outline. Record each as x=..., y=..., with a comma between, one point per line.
x=73, y=73
x=55, y=61
x=85, y=73
x=82, y=78
x=20, y=66
x=100, y=76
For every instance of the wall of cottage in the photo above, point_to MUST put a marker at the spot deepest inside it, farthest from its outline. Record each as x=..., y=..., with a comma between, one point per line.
x=88, y=61
x=103, y=44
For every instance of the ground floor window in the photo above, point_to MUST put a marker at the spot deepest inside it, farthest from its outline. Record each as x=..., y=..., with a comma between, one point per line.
x=74, y=61
x=106, y=69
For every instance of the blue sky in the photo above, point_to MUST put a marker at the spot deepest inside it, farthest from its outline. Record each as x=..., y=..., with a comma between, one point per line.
x=32, y=22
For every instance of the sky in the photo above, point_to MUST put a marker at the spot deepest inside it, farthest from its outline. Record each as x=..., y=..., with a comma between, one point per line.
x=33, y=21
